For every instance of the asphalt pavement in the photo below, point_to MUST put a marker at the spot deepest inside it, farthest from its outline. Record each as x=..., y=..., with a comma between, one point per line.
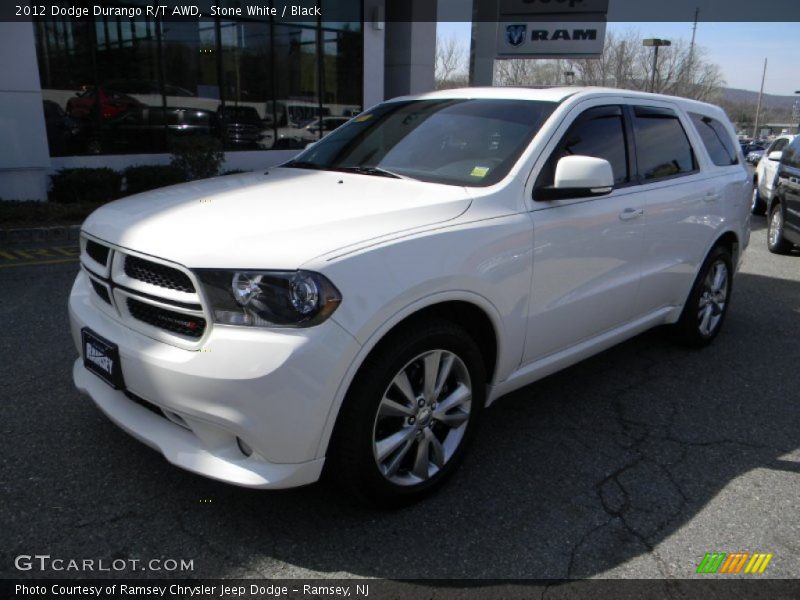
x=632, y=464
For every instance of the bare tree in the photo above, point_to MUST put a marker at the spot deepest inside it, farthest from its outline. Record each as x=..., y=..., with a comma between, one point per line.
x=452, y=58
x=625, y=63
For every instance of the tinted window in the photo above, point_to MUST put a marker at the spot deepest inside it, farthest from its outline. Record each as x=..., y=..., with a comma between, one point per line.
x=791, y=154
x=472, y=142
x=598, y=132
x=716, y=140
x=778, y=145
x=662, y=148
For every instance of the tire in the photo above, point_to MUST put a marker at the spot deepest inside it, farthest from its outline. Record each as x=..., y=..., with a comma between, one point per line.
x=758, y=206
x=386, y=450
x=776, y=241
x=705, y=309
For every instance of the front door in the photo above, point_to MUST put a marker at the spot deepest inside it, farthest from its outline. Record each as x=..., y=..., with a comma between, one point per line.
x=586, y=266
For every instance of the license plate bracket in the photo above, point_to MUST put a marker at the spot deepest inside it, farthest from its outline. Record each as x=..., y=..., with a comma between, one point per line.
x=101, y=357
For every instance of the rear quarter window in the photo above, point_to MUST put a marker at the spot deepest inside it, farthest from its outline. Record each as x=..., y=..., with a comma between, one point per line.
x=716, y=139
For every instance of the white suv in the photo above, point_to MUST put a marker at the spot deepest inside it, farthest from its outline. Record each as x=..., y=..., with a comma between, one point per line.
x=357, y=307
x=766, y=174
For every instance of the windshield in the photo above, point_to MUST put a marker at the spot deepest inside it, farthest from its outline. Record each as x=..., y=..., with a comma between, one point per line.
x=470, y=142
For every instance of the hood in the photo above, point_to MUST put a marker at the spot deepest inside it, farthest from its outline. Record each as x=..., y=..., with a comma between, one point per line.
x=275, y=220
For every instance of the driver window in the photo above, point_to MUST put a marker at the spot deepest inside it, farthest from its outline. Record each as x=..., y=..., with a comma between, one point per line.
x=598, y=132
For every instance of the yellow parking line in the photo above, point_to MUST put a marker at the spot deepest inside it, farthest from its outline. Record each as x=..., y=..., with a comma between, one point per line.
x=41, y=262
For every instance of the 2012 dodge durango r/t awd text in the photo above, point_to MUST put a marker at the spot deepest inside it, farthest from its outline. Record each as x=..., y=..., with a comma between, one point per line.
x=356, y=308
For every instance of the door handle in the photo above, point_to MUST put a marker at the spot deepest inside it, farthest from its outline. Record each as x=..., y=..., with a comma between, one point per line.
x=631, y=213
x=711, y=197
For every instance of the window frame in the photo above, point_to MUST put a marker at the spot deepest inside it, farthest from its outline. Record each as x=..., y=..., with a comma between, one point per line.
x=694, y=117
x=666, y=112
x=579, y=120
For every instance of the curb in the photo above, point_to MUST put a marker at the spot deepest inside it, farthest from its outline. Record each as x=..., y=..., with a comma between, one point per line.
x=62, y=233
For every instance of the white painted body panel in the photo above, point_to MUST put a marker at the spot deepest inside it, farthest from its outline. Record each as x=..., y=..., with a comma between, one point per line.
x=558, y=280
x=767, y=170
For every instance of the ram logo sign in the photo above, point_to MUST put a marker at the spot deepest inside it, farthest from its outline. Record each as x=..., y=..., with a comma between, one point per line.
x=551, y=40
x=734, y=562
x=516, y=34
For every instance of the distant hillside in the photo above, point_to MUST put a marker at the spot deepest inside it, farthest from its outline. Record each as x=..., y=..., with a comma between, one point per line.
x=771, y=101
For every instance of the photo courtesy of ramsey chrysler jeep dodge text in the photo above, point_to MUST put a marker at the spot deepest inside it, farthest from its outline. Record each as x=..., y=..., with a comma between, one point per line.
x=355, y=309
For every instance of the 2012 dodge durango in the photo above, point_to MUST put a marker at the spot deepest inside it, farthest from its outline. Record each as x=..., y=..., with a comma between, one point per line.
x=355, y=309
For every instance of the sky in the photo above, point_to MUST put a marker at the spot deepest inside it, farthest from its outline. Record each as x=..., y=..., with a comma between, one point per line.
x=738, y=48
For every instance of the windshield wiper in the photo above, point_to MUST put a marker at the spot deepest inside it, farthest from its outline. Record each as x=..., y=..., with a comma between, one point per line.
x=302, y=164
x=378, y=171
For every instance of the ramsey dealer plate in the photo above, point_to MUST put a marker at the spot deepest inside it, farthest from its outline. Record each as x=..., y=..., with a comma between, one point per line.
x=101, y=357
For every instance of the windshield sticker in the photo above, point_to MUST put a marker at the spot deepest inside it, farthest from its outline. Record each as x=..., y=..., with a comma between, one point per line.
x=363, y=118
x=479, y=172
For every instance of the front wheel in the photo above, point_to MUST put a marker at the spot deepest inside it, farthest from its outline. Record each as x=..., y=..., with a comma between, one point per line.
x=707, y=304
x=409, y=415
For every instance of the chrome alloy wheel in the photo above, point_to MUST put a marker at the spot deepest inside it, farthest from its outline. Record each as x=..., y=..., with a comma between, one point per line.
x=712, y=301
x=754, y=199
x=422, y=417
x=775, y=226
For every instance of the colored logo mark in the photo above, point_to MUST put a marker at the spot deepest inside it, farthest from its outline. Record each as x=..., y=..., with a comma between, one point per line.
x=735, y=562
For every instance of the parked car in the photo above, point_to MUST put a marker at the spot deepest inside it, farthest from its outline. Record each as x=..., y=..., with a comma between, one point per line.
x=764, y=177
x=150, y=129
x=64, y=133
x=111, y=103
x=242, y=126
x=783, y=233
x=356, y=308
x=754, y=156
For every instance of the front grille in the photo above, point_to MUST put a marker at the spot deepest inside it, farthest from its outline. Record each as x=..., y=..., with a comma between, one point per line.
x=176, y=322
x=101, y=291
x=98, y=252
x=157, y=274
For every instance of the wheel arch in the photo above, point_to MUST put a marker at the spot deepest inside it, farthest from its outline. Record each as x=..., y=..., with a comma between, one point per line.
x=472, y=312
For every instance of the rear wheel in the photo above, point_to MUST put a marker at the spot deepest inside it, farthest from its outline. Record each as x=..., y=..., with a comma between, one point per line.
x=776, y=242
x=409, y=415
x=707, y=304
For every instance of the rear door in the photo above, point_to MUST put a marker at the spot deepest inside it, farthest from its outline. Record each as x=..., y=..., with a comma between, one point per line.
x=683, y=203
x=586, y=254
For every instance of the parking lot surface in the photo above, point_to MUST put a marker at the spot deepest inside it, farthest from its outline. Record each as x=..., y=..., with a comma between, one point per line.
x=634, y=463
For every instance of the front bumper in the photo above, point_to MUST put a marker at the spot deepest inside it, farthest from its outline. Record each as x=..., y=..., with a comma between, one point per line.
x=272, y=389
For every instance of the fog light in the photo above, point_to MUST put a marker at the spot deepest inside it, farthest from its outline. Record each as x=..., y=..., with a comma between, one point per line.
x=243, y=447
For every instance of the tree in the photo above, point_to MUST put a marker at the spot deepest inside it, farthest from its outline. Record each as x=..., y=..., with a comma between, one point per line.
x=451, y=63
x=625, y=63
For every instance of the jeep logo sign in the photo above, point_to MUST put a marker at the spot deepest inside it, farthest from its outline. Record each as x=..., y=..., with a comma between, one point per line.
x=550, y=39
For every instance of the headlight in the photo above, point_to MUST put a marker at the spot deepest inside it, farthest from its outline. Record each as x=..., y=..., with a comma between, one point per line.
x=269, y=298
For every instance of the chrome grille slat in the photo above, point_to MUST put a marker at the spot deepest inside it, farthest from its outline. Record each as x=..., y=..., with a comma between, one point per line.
x=148, y=295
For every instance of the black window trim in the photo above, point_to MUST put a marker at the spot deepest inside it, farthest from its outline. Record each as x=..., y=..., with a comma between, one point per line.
x=703, y=117
x=611, y=109
x=665, y=113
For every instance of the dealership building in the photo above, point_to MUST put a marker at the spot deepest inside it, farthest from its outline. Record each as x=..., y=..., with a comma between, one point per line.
x=110, y=91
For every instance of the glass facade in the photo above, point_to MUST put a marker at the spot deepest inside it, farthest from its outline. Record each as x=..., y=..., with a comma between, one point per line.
x=121, y=86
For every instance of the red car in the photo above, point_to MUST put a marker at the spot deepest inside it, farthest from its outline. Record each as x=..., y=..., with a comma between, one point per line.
x=112, y=103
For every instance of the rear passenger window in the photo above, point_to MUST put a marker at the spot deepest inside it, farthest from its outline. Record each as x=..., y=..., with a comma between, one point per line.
x=598, y=132
x=716, y=139
x=662, y=148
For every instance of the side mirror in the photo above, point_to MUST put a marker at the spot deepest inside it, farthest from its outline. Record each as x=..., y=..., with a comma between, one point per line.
x=579, y=177
x=777, y=155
